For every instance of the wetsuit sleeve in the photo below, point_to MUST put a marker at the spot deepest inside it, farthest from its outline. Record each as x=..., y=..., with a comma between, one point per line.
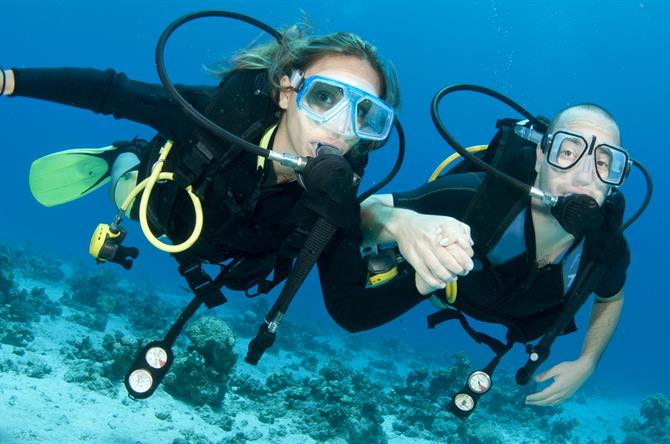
x=615, y=278
x=354, y=307
x=343, y=271
x=447, y=196
x=111, y=93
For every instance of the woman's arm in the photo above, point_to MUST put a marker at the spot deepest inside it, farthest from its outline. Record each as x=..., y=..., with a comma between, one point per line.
x=110, y=93
x=354, y=307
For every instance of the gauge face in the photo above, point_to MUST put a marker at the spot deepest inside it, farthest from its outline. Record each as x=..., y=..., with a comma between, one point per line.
x=464, y=402
x=479, y=382
x=156, y=357
x=140, y=381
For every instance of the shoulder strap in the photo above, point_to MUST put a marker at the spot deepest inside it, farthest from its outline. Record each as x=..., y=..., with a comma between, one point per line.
x=243, y=106
x=496, y=203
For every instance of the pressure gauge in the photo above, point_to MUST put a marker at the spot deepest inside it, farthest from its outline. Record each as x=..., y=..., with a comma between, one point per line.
x=479, y=382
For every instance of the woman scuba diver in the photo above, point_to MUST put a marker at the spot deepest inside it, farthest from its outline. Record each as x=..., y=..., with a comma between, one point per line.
x=319, y=97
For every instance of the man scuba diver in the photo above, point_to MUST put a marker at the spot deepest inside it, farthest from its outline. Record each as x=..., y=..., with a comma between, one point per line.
x=322, y=98
x=527, y=255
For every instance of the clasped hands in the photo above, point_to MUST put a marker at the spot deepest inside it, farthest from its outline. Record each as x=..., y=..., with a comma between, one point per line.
x=439, y=248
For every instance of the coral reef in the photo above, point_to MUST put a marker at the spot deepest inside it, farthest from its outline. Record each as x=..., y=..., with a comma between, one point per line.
x=656, y=425
x=98, y=290
x=27, y=307
x=33, y=265
x=20, y=308
x=146, y=312
x=6, y=275
x=201, y=375
x=99, y=368
x=33, y=367
x=357, y=395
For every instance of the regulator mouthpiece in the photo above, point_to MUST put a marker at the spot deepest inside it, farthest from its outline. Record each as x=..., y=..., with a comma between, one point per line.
x=578, y=214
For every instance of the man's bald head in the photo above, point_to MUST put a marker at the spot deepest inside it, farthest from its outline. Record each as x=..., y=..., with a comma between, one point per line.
x=588, y=111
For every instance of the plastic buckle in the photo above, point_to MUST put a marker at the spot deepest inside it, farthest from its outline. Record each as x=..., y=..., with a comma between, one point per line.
x=202, y=285
x=193, y=164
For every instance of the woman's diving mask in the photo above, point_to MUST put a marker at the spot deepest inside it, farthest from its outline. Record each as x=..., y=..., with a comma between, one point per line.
x=342, y=108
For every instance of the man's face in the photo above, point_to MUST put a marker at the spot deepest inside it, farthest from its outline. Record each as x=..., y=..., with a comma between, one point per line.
x=302, y=134
x=582, y=178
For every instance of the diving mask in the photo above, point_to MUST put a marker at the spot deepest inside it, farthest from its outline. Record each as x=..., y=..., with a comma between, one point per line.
x=564, y=151
x=342, y=108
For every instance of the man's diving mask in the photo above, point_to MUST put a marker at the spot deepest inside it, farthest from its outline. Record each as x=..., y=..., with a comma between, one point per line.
x=342, y=108
x=564, y=150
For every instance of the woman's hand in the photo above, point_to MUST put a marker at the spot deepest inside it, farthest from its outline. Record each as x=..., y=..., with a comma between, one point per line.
x=439, y=248
x=7, y=82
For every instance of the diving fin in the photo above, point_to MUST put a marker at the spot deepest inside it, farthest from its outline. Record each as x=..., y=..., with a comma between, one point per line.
x=67, y=175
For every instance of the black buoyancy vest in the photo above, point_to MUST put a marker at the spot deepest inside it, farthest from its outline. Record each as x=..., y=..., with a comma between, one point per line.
x=230, y=187
x=486, y=295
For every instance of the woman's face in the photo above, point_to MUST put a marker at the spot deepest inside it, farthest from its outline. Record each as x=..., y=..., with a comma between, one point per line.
x=297, y=133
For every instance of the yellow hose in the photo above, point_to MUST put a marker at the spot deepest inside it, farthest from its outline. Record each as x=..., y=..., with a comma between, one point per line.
x=451, y=289
x=445, y=163
x=147, y=185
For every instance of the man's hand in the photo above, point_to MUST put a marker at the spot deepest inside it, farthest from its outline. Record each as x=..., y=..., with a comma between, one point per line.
x=439, y=248
x=568, y=378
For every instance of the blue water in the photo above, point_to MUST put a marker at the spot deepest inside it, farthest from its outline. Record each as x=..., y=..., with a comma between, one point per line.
x=544, y=55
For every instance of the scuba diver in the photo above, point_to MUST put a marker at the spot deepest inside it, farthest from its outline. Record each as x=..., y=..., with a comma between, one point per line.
x=482, y=248
x=317, y=97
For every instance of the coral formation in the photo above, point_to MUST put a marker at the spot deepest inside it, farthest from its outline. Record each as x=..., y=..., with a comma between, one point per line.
x=357, y=395
x=33, y=265
x=18, y=307
x=656, y=425
x=100, y=368
x=201, y=375
x=98, y=290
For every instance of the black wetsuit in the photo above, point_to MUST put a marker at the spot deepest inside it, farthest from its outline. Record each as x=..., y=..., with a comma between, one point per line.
x=111, y=93
x=514, y=288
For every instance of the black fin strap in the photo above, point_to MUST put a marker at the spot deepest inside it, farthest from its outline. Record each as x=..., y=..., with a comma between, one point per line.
x=201, y=283
x=447, y=314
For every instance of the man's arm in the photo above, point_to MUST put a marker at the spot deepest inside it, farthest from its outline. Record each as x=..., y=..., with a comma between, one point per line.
x=605, y=316
x=570, y=376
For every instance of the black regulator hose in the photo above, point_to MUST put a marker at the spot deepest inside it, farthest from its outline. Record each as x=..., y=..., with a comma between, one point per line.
x=190, y=111
x=294, y=162
x=318, y=238
x=647, y=197
x=396, y=167
x=592, y=273
x=451, y=140
x=593, y=270
x=460, y=149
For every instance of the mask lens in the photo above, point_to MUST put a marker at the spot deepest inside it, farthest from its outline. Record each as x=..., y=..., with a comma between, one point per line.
x=322, y=98
x=345, y=109
x=610, y=164
x=373, y=119
x=566, y=150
